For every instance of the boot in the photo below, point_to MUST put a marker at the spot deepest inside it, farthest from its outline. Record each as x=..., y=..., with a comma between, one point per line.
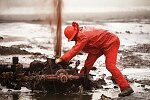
x=126, y=92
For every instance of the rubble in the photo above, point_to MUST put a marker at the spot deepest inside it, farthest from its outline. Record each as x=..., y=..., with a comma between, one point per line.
x=45, y=76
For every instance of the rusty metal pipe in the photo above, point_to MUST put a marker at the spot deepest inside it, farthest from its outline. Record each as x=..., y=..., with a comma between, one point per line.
x=62, y=78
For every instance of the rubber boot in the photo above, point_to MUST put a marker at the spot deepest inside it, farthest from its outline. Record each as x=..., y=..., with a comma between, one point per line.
x=126, y=92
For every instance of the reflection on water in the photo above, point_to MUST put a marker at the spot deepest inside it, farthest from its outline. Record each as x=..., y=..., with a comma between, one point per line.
x=64, y=97
x=16, y=96
x=44, y=96
x=107, y=90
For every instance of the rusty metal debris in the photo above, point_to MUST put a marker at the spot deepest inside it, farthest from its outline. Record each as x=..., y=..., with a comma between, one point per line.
x=44, y=76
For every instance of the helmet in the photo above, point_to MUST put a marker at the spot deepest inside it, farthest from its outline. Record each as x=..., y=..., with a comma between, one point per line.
x=70, y=32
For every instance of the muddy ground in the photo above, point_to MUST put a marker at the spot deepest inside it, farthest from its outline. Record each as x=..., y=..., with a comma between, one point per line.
x=134, y=56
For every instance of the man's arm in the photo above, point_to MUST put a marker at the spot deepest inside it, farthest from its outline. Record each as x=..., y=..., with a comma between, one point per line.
x=75, y=49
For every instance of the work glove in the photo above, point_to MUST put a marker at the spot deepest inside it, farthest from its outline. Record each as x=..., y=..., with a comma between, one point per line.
x=58, y=60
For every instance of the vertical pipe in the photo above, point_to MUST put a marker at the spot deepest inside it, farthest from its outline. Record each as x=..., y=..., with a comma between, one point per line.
x=57, y=48
x=15, y=60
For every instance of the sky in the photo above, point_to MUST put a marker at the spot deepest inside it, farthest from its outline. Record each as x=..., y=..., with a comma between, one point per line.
x=71, y=6
x=77, y=4
x=105, y=5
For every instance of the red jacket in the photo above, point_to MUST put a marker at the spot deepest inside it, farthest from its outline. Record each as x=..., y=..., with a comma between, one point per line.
x=92, y=41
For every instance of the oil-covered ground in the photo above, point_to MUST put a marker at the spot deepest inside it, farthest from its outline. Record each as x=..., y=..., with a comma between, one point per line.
x=35, y=41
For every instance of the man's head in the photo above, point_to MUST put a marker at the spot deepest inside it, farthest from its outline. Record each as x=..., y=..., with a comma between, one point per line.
x=71, y=31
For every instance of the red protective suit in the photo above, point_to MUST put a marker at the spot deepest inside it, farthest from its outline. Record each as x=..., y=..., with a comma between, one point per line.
x=97, y=42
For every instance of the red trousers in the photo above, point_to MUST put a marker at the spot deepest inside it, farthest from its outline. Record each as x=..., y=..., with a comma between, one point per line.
x=111, y=58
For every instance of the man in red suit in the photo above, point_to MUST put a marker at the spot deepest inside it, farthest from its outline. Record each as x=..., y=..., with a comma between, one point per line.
x=96, y=42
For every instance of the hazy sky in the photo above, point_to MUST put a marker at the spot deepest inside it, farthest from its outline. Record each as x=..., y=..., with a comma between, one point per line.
x=73, y=5
x=105, y=5
x=102, y=3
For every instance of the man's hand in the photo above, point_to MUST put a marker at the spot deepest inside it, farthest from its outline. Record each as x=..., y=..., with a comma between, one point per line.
x=58, y=60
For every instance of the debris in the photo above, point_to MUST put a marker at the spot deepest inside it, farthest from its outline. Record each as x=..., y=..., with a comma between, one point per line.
x=1, y=38
x=103, y=97
x=45, y=76
x=144, y=82
x=128, y=32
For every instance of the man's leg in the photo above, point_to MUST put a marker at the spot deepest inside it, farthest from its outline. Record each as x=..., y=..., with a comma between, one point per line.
x=111, y=57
